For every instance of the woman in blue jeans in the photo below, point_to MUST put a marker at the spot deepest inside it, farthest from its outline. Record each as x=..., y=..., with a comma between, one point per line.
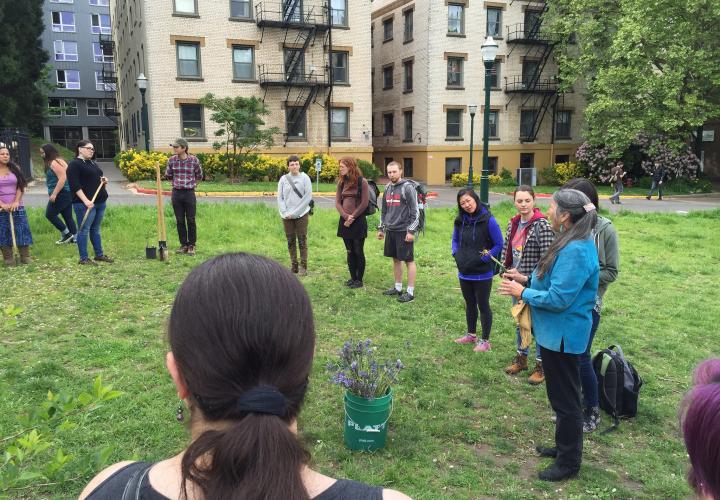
x=85, y=178
x=561, y=294
x=60, y=199
x=606, y=244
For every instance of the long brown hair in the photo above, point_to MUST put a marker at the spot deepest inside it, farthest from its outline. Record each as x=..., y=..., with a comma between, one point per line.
x=21, y=181
x=51, y=154
x=229, y=338
x=353, y=171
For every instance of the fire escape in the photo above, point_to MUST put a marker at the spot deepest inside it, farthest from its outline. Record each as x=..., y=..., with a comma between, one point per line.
x=300, y=77
x=538, y=92
x=109, y=78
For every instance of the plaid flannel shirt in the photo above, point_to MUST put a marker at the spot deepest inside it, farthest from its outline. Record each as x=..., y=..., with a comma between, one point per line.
x=184, y=174
x=539, y=237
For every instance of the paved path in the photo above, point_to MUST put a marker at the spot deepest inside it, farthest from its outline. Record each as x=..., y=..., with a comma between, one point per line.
x=36, y=196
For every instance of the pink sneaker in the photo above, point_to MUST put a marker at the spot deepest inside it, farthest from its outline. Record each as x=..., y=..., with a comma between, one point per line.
x=466, y=339
x=482, y=346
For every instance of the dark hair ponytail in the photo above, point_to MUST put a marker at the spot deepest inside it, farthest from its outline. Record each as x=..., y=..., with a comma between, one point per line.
x=21, y=181
x=242, y=325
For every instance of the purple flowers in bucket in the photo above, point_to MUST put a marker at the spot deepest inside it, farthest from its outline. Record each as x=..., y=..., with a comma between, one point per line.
x=359, y=372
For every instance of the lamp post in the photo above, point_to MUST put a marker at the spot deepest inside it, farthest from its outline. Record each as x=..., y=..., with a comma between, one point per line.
x=142, y=83
x=489, y=51
x=473, y=110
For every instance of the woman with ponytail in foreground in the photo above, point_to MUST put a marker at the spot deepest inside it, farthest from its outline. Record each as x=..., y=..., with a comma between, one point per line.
x=561, y=294
x=240, y=365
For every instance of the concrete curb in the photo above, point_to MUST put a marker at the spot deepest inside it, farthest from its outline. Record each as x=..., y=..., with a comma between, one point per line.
x=240, y=194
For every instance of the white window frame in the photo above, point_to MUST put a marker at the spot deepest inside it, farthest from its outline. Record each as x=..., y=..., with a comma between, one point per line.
x=59, y=48
x=60, y=26
x=99, y=28
x=63, y=84
x=100, y=3
x=252, y=62
x=88, y=107
x=101, y=85
x=66, y=106
x=102, y=57
x=187, y=12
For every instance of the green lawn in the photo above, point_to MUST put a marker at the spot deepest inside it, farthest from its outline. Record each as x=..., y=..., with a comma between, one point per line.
x=224, y=187
x=461, y=428
x=38, y=165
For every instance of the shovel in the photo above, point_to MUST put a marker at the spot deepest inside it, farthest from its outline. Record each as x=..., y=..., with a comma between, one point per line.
x=162, y=235
x=16, y=251
x=87, y=212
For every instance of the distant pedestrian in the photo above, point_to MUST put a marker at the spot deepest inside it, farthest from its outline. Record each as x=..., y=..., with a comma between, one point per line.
x=617, y=173
x=294, y=197
x=399, y=222
x=528, y=237
x=185, y=172
x=86, y=178
x=60, y=199
x=351, y=200
x=475, y=230
x=12, y=188
x=658, y=176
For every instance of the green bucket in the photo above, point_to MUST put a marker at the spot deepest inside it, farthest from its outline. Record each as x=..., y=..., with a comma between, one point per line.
x=366, y=421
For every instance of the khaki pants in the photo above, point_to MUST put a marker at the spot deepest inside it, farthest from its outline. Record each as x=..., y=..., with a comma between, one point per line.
x=296, y=234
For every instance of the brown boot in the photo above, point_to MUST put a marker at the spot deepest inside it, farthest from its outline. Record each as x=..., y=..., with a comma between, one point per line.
x=24, y=255
x=303, y=268
x=538, y=375
x=7, y=253
x=294, y=267
x=519, y=363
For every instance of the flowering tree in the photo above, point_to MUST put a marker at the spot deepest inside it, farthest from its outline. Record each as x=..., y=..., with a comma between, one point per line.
x=683, y=164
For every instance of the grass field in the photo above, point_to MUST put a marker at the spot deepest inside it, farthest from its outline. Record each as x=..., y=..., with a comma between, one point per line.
x=461, y=428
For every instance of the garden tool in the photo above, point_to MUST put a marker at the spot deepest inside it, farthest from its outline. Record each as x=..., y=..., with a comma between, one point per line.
x=162, y=235
x=87, y=212
x=15, y=250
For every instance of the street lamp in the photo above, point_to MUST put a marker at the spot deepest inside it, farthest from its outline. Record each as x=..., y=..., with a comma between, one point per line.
x=142, y=83
x=473, y=110
x=489, y=51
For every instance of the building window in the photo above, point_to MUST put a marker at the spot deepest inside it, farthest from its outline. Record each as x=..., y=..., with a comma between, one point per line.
x=527, y=122
x=493, y=164
x=388, y=77
x=387, y=30
x=408, y=26
x=339, y=123
x=407, y=167
x=494, y=22
x=338, y=12
x=188, y=56
x=65, y=50
x=340, y=67
x=495, y=75
x=243, y=66
x=527, y=160
x=100, y=3
x=55, y=106
x=562, y=158
x=533, y=19
x=387, y=161
x=185, y=7
x=191, y=121
x=493, y=129
x=102, y=53
x=453, y=127
x=93, y=107
x=61, y=1
x=530, y=73
x=456, y=19
x=452, y=166
x=100, y=24
x=101, y=85
x=294, y=64
x=240, y=9
x=408, y=126
x=295, y=119
x=388, y=124
x=372, y=35
x=455, y=71
x=63, y=22
x=562, y=124
x=70, y=107
x=408, y=73
x=68, y=79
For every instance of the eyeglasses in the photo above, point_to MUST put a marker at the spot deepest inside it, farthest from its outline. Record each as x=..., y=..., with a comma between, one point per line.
x=87, y=147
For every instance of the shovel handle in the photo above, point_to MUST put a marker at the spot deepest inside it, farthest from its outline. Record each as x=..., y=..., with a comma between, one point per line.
x=92, y=200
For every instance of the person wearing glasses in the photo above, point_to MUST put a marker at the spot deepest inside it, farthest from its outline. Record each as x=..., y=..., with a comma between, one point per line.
x=86, y=178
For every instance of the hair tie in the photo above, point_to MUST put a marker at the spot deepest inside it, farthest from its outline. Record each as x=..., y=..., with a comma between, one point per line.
x=589, y=207
x=265, y=399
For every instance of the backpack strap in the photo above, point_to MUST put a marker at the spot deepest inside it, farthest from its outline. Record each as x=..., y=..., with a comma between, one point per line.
x=359, y=184
x=614, y=415
x=292, y=185
x=132, y=488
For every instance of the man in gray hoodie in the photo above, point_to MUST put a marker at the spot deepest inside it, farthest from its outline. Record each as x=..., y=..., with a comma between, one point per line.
x=399, y=222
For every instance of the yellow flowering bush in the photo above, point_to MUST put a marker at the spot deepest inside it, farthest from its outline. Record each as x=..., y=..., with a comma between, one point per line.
x=330, y=166
x=138, y=165
x=566, y=171
x=461, y=180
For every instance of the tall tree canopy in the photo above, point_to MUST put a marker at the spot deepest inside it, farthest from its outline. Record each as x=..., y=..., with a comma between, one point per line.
x=22, y=62
x=649, y=66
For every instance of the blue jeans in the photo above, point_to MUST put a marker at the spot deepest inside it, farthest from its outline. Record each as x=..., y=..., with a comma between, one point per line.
x=518, y=340
x=91, y=228
x=655, y=185
x=587, y=374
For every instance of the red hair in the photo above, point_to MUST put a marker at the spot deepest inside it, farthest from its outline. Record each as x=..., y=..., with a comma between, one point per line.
x=353, y=173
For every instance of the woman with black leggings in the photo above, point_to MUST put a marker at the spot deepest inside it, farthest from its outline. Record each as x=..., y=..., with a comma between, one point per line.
x=475, y=230
x=351, y=200
x=59, y=196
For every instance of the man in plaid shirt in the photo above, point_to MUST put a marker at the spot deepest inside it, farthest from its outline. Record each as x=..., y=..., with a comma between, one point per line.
x=184, y=171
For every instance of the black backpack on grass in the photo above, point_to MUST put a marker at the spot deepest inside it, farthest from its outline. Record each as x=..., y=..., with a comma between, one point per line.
x=618, y=384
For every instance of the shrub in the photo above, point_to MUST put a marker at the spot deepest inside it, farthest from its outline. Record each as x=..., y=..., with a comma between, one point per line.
x=138, y=165
x=369, y=170
x=567, y=171
x=506, y=178
x=461, y=180
x=548, y=176
x=330, y=166
x=678, y=164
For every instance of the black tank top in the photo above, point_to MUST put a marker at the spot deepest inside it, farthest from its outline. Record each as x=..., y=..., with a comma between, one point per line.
x=113, y=488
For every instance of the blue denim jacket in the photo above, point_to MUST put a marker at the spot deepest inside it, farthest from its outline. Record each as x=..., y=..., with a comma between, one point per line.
x=562, y=300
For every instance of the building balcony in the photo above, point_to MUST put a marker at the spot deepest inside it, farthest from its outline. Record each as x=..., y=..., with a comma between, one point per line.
x=525, y=84
x=271, y=75
x=522, y=33
x=291, y=15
